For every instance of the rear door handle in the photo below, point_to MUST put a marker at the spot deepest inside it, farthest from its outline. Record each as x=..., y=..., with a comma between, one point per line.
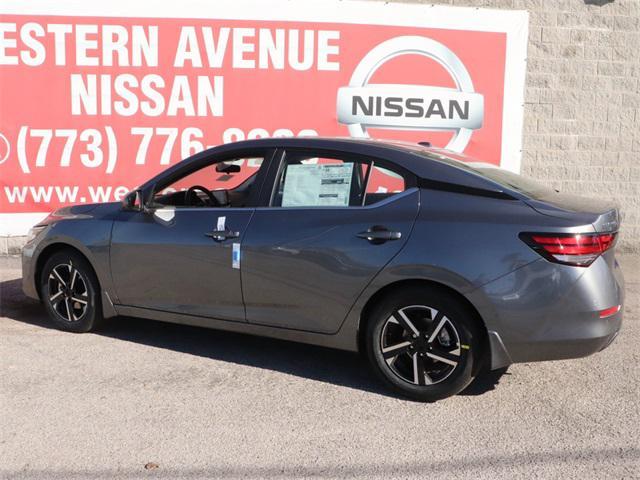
x=378, y=235
x=221, y=235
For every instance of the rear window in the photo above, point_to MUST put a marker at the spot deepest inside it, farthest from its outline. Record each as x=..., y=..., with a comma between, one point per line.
x=513, y=181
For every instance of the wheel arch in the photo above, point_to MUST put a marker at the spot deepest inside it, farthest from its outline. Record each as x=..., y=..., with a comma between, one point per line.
x=52, y=249
x=390, y=288
x=108, y=309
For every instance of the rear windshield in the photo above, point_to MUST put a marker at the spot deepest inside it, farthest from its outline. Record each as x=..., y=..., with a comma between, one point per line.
x=516, y=182
x=512, y=181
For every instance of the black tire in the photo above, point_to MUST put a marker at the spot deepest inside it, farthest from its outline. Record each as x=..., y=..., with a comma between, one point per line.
x=458, y=340
x=65, y=305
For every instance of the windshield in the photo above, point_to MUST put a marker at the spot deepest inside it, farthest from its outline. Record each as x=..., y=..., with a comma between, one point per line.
x=513, y=181
x=516, y=182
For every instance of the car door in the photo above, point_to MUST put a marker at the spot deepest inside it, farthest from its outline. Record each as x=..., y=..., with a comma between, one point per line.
x=179, y=258
x=327, y=227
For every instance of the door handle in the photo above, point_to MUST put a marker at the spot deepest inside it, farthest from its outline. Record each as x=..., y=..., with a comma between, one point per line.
x=221, y=235
x=378, y=235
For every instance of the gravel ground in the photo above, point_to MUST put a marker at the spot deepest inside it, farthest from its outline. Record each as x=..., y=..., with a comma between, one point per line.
x=142, y=399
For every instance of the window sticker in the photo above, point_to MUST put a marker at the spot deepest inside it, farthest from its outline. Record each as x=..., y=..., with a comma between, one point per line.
x=319, y=185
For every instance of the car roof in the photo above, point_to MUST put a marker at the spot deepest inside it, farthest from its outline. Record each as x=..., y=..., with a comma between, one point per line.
x=437, y=166
x=343, y=144
x=428, y=163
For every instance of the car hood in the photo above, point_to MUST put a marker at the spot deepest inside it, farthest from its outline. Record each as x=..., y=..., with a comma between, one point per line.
x=90, y=210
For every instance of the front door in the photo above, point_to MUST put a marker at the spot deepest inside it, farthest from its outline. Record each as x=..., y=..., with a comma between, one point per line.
x=180, y=256
x=331, y=224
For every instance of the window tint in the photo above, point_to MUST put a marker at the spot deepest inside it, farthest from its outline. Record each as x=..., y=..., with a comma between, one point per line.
x=503, y=177
x=306, y=180
x=514, y=181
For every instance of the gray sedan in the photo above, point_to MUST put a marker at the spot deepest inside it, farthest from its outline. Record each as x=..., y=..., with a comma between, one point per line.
x=432, y=265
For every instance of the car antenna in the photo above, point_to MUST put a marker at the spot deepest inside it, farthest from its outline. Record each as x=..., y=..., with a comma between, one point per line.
x=425, y=144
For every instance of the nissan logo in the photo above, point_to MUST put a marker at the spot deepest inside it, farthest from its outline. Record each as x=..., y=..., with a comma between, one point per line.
x=411, y=107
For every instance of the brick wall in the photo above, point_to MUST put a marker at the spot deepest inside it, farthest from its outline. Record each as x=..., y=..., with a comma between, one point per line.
x=582, y=99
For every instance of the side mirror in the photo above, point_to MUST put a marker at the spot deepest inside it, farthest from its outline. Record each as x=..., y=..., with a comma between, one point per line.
x=227, y=168
x=134, y=201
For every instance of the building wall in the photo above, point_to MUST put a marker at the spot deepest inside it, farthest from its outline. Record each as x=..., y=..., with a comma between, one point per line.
x=582, y=99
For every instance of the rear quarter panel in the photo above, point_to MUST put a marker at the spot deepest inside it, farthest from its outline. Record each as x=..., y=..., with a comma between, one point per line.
x=464, y=242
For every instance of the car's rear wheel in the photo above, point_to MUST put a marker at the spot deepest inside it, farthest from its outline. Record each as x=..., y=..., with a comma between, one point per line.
x=70, y=292
x=424, y=343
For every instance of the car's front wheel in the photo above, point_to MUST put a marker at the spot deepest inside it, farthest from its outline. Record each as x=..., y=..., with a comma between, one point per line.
x=424, y=343
x=71, y=292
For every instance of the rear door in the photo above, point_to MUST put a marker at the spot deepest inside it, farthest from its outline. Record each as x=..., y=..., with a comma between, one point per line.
x=327, y=225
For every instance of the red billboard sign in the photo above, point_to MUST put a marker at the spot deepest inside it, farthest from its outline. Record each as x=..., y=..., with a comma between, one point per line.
x=93, y=105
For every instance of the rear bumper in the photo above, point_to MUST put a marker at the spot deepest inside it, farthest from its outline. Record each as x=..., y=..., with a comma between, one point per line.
x=590, y=342
x=546, y=311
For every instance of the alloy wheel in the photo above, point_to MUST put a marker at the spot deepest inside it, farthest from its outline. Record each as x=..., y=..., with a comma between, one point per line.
x=421, y=345
x=68, y=293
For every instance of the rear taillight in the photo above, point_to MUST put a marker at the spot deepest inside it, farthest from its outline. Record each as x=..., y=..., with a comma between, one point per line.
x=579, y=250
x=607, y=312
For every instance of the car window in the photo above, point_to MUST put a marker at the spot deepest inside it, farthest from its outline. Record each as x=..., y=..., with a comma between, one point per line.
x=308, y=180
x=383, y=183
x=229, y=183
x=520, y=183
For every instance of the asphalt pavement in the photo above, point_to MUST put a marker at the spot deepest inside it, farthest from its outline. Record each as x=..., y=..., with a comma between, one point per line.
x=143, y=399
